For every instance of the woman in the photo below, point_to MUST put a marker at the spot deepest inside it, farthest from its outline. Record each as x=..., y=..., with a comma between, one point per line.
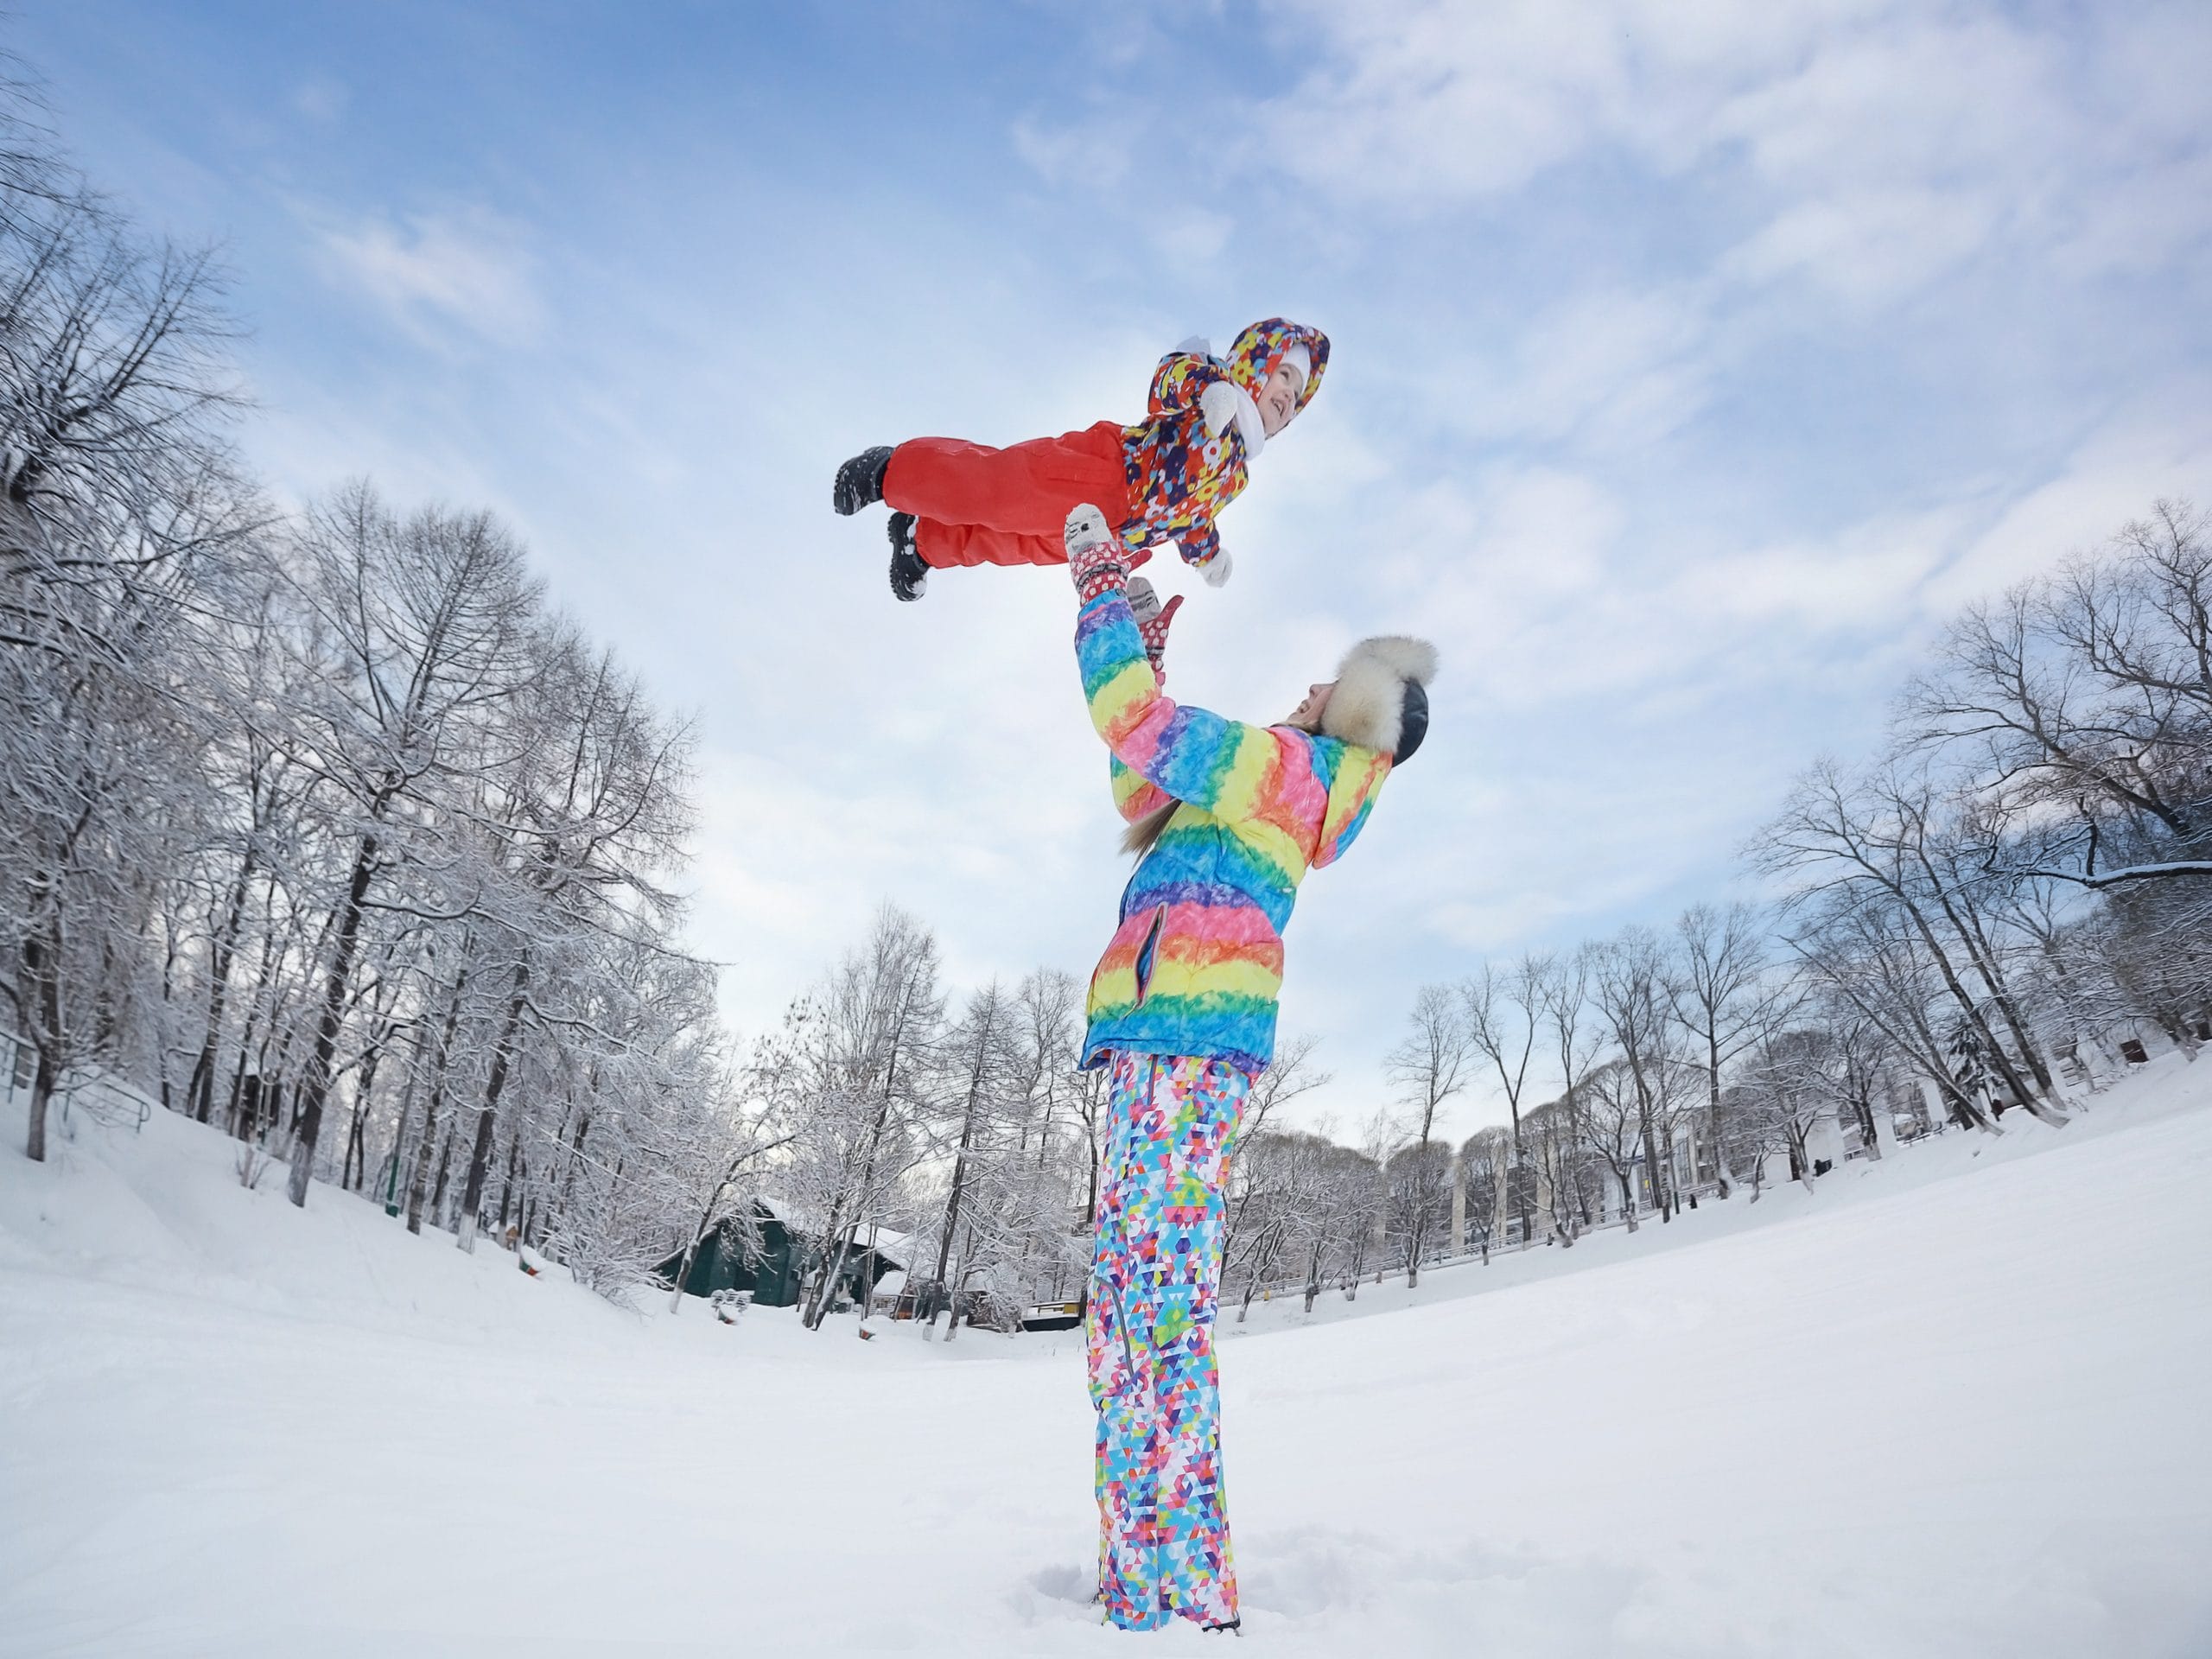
x=1226, y=819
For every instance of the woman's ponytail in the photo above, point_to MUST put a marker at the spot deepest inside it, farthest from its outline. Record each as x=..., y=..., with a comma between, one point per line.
x=1139, y=837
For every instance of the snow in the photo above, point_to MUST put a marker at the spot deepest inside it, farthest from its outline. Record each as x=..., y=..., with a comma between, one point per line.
x=1950, y=1404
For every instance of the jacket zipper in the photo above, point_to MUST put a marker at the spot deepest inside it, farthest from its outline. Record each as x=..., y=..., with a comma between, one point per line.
x=1145, y=963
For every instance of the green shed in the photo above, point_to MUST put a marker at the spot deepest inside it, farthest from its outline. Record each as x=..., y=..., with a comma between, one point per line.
x=775, y=1269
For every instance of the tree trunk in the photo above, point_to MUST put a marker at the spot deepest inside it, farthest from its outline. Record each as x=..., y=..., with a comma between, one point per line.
x=967, y=1267
x=355, y=1164
x=1651, y=1166
x=199, y=1092
x=691, y=1250
x=416, y=1187
x=438, y=1194
x=1724, y=1183
x=472, y=1195
x=41, y=960
x=317, y=1087
x=1984, y=957
x=1972, y=1011
x=507, y=1186
x=952, y=1205
x=42, y=1082
x=1864, y=1109
x=566, y=1199
x=847, y=1228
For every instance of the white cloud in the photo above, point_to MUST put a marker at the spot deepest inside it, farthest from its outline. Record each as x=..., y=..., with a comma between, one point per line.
x=471, y=269
x=1884, y=144
x=1871, y=573
x=322, y=99
x=1420, y=103
x=1867, y=246
x=2158, y=447
x=1612, y=368
x=1093, y=152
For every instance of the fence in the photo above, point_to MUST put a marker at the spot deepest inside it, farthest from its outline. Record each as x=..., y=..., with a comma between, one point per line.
x=84, y=1089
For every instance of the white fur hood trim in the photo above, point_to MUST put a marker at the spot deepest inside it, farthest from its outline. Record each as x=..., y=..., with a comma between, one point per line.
x=1368, y=706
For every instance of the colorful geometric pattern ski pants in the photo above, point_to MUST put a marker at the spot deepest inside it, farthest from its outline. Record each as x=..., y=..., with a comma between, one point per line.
x=1163, y=1520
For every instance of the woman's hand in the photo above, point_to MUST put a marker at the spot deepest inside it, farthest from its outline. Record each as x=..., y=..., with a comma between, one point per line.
x=1096, y=559
x=1153, y=622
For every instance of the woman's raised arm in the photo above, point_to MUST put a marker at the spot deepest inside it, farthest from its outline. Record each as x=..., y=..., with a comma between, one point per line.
x=1189, y=754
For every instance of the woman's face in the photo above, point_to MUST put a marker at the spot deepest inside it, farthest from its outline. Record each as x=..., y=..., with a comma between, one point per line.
x=1278, y=400
x=1307, y=715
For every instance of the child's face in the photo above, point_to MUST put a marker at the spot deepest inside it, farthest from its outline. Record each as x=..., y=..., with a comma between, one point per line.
x=1278, y=398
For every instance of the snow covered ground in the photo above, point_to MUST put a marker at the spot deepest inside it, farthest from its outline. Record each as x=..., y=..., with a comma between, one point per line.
x=1954, y=1405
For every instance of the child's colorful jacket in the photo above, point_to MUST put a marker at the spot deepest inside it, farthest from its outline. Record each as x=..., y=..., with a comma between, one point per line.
x=1180, y=475
x=1196, y=965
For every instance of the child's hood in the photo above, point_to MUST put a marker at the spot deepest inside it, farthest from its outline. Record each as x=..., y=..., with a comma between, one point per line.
x=1260, y=350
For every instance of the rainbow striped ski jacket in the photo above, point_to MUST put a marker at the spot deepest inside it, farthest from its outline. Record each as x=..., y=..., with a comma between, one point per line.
x=1178, y=474
x=1196, y=964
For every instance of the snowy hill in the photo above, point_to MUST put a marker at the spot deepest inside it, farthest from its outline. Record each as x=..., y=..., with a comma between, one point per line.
x=1948, y=1405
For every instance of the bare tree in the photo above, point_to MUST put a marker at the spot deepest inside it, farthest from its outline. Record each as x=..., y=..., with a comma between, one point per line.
x=1486, y=1164
x=1863, y=840
x=1628, y=983
x=1725, y=997
x=1503, y=1012
x=2081, y=703
x=1613, y=1117
x=1427, y=1068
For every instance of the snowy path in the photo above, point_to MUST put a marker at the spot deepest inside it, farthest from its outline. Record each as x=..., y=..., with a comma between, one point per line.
x=1940, y=1416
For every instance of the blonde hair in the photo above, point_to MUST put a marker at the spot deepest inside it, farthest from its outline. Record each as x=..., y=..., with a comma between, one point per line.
x=1139, y=837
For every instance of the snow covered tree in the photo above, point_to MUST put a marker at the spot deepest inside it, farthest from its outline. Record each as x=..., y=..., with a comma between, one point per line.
x=427, y=618
x=119, y=506
x=856, y=1059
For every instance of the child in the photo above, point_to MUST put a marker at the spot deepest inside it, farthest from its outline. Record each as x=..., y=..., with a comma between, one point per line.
x=1164, y=479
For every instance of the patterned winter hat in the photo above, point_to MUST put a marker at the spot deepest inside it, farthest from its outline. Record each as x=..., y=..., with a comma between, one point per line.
x=1260, y=350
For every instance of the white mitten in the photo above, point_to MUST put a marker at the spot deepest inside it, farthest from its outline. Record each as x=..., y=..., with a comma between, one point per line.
x=1218, y=403
x=1216, y=569
x=1086, y=528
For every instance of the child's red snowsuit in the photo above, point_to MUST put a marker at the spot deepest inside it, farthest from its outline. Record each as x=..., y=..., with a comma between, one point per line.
x=975, y=504
x=1163, y=479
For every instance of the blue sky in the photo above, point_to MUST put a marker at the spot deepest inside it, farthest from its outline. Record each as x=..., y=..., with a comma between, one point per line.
x=1690, y=365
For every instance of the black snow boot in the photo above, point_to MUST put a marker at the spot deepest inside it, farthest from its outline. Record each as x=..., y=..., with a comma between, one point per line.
x=909, y=575
x=860, y=480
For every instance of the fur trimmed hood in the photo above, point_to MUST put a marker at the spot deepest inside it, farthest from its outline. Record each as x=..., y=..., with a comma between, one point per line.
x=1370, y=706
